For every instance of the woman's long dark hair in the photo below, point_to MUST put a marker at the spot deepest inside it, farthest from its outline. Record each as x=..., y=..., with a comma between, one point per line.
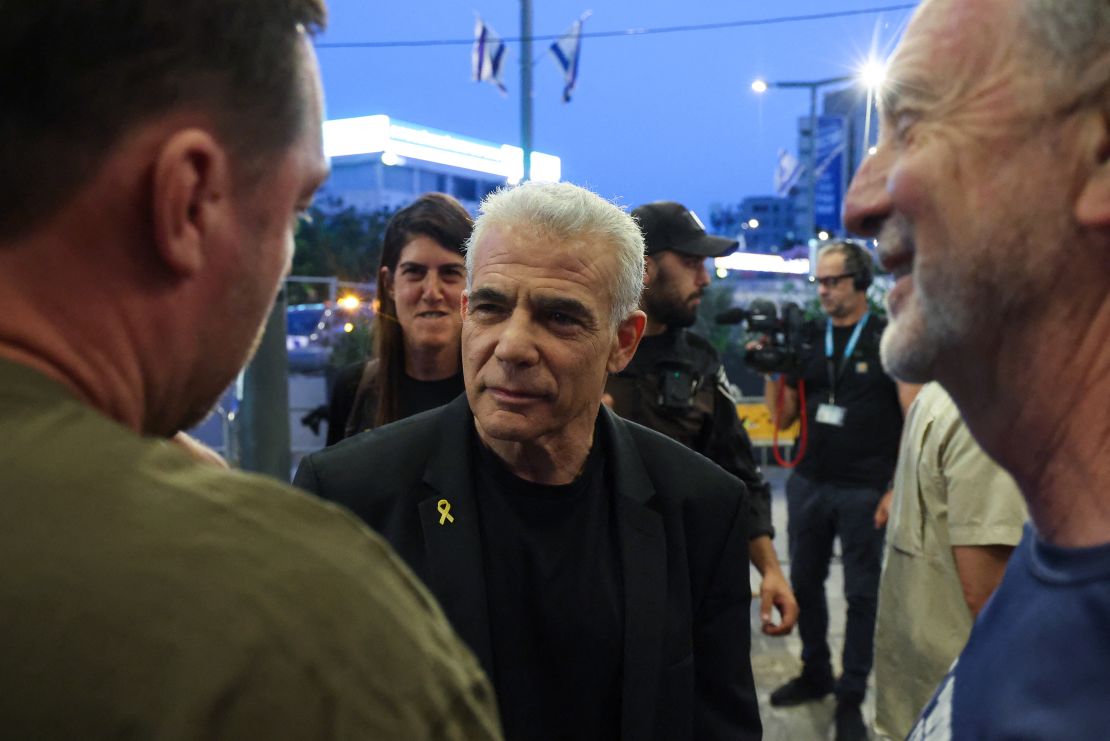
x=434, y=215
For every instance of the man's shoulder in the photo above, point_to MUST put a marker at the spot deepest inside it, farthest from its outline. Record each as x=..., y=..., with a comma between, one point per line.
x=706, y=511
x=146, y=495
x=1055, y=610
x=933, y=415
x=212, y=581
x=330, y=567
x=700, y=344
x=699, y=351
x=876, y=325
x=403, y=444
x=274, y=533
x=812, y=333
x=676, y=345
x=676, y=470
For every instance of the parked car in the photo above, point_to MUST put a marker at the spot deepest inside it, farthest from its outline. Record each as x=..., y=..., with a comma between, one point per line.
x=314, y=331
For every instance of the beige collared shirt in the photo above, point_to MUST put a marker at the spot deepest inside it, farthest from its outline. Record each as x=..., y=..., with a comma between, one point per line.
x=947, y=492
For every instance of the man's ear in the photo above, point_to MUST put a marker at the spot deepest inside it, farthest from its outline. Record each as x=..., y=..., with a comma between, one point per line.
x=651, y=269
x=1093, y=207
x=627, y=340
x=464, y=304
x=190, y=198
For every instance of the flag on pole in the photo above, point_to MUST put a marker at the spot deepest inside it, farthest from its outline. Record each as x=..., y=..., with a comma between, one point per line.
x=488, y=55
x=824, y=164
x=566, y=51
x=787, y=173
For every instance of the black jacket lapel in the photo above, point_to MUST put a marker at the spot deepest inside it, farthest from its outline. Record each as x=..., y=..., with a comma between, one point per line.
x=644, y=567
x=453, y=540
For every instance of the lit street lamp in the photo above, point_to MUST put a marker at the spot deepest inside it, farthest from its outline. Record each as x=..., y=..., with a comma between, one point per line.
x=872, y=75
x=761, y=86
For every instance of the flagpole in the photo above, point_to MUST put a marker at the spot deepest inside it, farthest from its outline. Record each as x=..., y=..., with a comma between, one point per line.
x=526, y=86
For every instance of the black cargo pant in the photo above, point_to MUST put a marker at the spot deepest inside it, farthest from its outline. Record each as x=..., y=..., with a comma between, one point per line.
x=817, y=514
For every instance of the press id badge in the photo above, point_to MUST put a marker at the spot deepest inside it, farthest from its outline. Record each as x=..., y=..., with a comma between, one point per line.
x=831, y=414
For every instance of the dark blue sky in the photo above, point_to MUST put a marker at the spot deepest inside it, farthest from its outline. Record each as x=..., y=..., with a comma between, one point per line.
x=667, y=116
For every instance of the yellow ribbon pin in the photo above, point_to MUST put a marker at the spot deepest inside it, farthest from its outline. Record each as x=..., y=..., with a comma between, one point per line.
x=444, y=508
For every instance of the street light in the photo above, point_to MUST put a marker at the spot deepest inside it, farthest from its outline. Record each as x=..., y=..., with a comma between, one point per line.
x=872, y=74
x=761, y=86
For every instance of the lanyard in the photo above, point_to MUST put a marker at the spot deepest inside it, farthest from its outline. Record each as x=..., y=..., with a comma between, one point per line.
x=835, y=374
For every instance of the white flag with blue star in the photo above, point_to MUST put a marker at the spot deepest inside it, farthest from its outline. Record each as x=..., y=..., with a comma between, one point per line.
x=488, y=55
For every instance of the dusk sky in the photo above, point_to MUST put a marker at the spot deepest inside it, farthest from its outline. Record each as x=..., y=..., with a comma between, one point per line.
x=655, y=116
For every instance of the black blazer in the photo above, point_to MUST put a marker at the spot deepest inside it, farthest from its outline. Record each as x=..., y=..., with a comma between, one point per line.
x=683, y=529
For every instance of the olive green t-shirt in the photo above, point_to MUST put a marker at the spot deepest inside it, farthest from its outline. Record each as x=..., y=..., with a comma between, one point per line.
x=145, y=595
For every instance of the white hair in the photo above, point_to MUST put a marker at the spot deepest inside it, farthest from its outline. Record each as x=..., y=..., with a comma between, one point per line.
x=1071, y=38
x=569, y=212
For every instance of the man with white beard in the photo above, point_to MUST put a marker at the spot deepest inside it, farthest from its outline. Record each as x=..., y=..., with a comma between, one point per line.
x=990, y=198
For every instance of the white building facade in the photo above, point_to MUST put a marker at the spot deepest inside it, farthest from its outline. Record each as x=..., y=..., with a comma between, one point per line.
x=380, y=162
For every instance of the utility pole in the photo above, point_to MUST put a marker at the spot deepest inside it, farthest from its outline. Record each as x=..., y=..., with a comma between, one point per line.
x=264, y=414
x=811, y=179
x=526, y=86
x=810, y=226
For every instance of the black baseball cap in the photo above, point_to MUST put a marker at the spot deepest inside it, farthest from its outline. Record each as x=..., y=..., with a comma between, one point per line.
x=671, y=226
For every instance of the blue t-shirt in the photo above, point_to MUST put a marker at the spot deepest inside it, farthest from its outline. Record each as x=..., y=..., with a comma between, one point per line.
x=1037, y=664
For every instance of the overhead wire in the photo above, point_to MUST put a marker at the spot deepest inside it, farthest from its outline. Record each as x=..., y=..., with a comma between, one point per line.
x=629, y=32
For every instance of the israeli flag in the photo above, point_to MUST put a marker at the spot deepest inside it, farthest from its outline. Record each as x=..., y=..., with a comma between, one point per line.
x=566, y=51
x=787, y=173
x=488, y=55
x=832, y=155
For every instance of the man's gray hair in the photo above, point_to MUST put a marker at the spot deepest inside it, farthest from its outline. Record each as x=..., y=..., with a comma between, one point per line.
x=1073, y=40
x=569, y=212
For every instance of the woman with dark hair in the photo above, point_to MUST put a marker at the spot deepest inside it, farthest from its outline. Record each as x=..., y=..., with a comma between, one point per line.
x=416, y=364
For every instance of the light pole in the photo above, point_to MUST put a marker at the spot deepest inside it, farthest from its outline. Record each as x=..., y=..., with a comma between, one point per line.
x=526, y=87
x=760, y=86
x=873, y=75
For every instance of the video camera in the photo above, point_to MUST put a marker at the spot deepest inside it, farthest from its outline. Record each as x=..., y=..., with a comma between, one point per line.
x=781, y=347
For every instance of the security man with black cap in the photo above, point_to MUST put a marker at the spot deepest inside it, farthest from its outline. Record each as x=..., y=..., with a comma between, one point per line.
x=854, y=425
x=676, y=384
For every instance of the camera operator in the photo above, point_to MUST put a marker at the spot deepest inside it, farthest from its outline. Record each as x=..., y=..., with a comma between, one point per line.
x=676, y=384
x=854, y=424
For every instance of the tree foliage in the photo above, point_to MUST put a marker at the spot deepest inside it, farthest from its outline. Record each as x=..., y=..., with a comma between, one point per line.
x=338, y=241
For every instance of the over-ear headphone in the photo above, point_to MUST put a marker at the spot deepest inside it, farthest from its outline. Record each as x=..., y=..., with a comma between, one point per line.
x=857, y=262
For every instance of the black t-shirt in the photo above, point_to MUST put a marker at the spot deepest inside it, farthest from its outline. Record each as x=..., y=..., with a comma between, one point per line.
x=556, y=607
x=420, y=396
x=864, y=450
x=413, y=397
